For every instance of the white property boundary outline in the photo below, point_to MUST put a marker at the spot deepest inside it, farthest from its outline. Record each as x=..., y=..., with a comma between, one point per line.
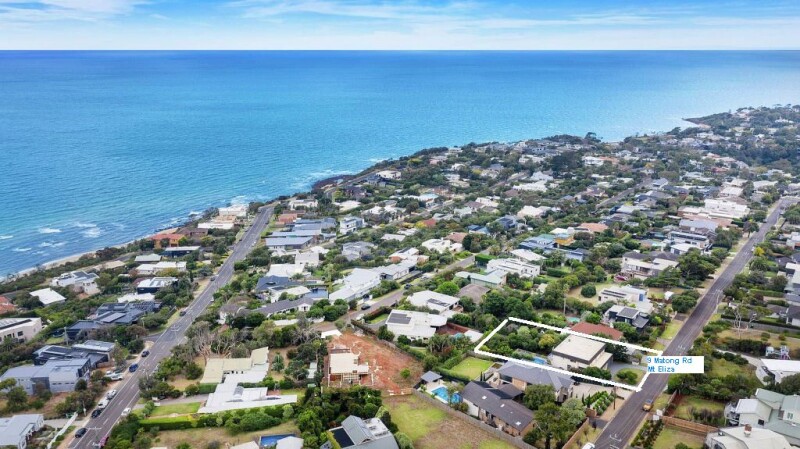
x=566, y=330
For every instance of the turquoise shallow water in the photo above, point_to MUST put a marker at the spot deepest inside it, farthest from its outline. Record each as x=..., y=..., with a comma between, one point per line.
x=99, y=148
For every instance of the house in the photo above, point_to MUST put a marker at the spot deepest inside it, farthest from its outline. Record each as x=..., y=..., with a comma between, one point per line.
x=153, y=285
x=286, y=269
x=96, y=351
x=577, y=353
x=229, y=374
x=768, y=410
x=542, y=241
x=406, y=254
x=694, y=239
x=532, y=212
x=647, y=265
x=256, y=364
x=48, y=296
x=77, y=281
x=474, y=292
x=776, y=369
x=396, y=271
x=511, y=223
x=164, y=240
x=302, y=203
x=496, y=407
x=522, y=377
x=629, y=315
x=441, y=246
x=56, y=376
x=437, y=302
x=19, y=329
x=526, y=255
x=152, y=269
x=491, y=280
x=389, y=175
x=414, y=325
x=6, y=306
x=357, y=433
x=180, y=251
x=302, y=304
x=593, y=228
x=147, y=258
x=597, y=329
x=343, y=366
x=725, y=208
x=698, y=225
x=356, y=284
x=625, y=294
x=272, y=286
x=518, y=267
x=288, y=243
x=126, y=313
x=745, y=437
x=350, y=224
x=356, y=250
x=17, y=431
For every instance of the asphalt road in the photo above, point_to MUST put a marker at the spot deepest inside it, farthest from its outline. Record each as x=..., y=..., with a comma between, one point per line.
x=128, y=388
x=622, y=427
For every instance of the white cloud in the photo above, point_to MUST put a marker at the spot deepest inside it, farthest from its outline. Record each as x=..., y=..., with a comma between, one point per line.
x=13, y=11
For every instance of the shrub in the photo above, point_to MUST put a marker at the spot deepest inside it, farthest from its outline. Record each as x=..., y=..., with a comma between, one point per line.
x=588, y=291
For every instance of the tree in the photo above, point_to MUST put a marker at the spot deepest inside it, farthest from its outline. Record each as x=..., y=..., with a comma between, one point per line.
x=448, y=288
x=694, y=266
x=277, y=363
x=539, y=395
x=405, y=373
x=403, y=441
x=16, y=399
x=588, y=291
x=385, y=334
x=552, y=423
x=288, y=412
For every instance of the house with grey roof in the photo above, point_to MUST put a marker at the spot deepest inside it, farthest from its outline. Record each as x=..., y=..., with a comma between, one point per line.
x=522, y=377
x=96, y=351
x=360, y=433
x=56, y=376
x=356, y=250
x=17, y=430
x=768, y=410
x=496, y=407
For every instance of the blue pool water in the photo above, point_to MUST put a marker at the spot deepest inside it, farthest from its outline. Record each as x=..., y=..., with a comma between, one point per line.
x=271, y=440
x=103, y=147
x=540, y=361
x=441, y=393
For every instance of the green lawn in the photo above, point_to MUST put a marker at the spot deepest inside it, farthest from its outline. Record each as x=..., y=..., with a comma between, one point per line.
x=471, y=367
x=416, y=418
x=684, y=410
x=669, y=437
x=178, y=409
x=378, y=318
x=671, y=330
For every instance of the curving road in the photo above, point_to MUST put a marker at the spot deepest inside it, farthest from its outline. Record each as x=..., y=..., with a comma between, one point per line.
x=622, y=427
x=128, y=388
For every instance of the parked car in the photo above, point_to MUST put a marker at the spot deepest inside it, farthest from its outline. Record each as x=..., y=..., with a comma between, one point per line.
x=133, y=367
x=648, y=404
x=365, y=306
x=80, y=432
x=111, y=393
x=145, y=353
x=96, y=412
x=126, y=412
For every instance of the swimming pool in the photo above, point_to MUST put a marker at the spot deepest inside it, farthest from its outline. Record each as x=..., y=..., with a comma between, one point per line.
x=272, y=440
x=441, y=393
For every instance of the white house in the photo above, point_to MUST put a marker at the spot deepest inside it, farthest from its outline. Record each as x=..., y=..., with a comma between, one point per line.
x=532, y=212
x=438, y=302
x=441, y=246
x=725, y=208
x=78, y=281
x=356, y=284
x=48, y=296
x=414, y=325
x=18, y=429
x=19, y=329
x=518, y=267
x=152, y=269
x=350, y=224
x=578, y=353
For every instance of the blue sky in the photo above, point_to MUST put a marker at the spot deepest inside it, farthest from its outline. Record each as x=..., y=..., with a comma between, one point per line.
x=401, y=24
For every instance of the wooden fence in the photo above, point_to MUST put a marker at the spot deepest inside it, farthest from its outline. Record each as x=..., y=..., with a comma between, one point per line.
x=688, y=426
x=575, y=439
x=517, y=442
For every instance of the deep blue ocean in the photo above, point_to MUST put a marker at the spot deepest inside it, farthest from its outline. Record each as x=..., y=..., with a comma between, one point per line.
x=99, y=148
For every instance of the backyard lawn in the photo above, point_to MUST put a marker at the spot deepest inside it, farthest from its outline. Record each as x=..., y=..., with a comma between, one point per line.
x=687, y=403
x=432, y=428
x=669, y=437
x=378, y=318
x=722, y=368
x=172, y=438
x=177, y=409
x=471, y=367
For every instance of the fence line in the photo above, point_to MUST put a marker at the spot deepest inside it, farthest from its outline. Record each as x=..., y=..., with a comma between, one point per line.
x=576, y=437
x=689, y=426
x=62, y=430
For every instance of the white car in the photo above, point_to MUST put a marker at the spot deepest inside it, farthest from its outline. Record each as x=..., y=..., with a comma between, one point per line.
x=126, y=412
x=111, y=393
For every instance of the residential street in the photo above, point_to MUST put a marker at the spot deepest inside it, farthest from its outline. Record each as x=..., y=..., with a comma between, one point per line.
x=128, y=389
x=622, y=428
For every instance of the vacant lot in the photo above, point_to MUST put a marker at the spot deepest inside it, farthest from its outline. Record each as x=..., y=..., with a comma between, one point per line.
x=432, y=428
x=200, y=437
x=722, y=368
x=385, y=362
x=688, y=403
x=471, y=367
x=670, y=437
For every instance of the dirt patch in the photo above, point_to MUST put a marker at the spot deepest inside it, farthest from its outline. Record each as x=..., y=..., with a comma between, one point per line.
x=385, y=362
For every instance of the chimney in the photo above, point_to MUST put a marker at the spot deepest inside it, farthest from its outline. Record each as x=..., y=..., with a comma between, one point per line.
x=747, y=430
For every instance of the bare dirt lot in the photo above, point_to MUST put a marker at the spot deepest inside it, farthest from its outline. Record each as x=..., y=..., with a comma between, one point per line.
x=385, y=362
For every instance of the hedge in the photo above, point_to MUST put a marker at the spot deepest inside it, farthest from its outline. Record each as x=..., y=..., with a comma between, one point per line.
x=482, y=259
x=169, y=422
x=454, y=375
x=768, y=293
x=556, y=273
